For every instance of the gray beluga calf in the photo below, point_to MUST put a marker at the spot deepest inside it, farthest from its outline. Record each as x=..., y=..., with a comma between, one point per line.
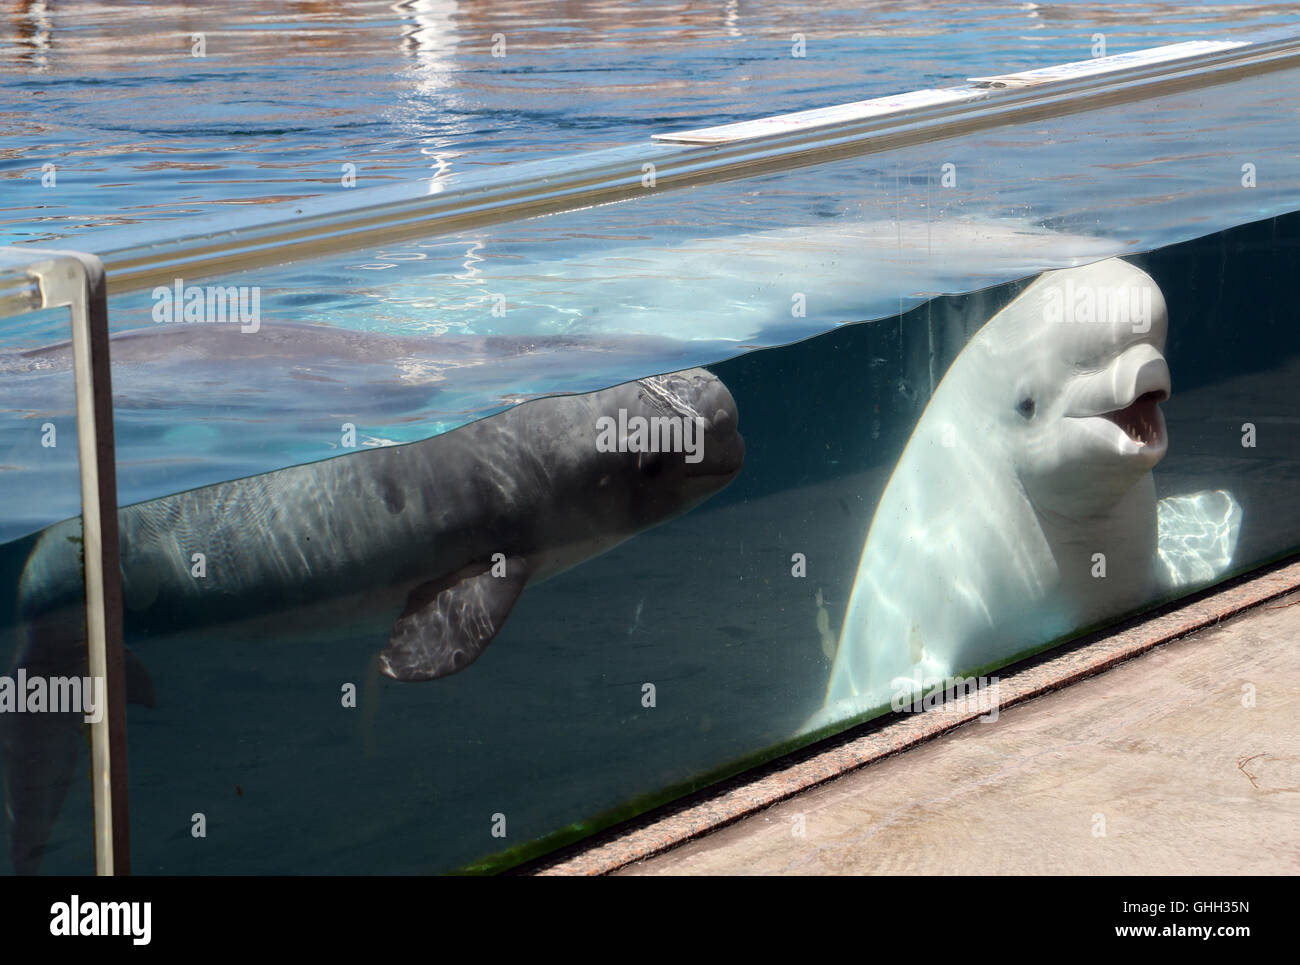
x=1023, y=507
x=434, y=541
x=288, y=380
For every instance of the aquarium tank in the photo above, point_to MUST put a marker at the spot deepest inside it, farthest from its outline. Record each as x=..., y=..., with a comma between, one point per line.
x=499, y=454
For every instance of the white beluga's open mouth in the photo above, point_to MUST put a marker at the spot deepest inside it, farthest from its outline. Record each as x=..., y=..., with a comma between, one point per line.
x=1142, y=420
x=1122, y=404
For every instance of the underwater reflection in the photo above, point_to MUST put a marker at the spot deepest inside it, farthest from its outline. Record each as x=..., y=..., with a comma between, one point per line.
x=1198, y=537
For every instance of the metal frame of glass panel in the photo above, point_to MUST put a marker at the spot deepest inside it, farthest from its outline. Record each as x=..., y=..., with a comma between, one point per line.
x=32, y=279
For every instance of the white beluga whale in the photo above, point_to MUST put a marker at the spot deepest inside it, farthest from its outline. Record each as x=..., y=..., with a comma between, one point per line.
x=1023, y=508
x=423, y=548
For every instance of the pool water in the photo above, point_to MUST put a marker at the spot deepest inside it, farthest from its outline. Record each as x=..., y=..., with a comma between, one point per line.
x=139, y=129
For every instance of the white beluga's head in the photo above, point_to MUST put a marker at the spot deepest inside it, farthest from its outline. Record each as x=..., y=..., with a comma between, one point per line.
x=1026, y=481
x=1070, y=379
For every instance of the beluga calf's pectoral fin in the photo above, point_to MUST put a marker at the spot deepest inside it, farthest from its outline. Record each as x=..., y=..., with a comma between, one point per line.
x=446, y=625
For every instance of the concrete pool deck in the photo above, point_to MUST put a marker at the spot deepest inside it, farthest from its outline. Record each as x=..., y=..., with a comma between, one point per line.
x=1181, y=758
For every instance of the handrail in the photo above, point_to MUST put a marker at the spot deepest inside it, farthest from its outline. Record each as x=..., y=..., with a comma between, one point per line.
x=135, y=258
x=33, y=279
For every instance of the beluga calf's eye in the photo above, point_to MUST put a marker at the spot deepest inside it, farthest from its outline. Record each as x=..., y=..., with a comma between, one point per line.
x=651, y=465
x=1026, y=407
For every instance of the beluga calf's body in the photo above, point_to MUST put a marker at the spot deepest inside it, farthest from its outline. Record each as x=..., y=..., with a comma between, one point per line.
x=434, y=540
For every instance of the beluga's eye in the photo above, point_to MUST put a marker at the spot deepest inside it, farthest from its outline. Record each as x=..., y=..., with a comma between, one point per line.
x=651, y=465
x=1026, y=407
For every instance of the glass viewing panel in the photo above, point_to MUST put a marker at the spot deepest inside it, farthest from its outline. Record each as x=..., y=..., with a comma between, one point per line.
x=46, y=696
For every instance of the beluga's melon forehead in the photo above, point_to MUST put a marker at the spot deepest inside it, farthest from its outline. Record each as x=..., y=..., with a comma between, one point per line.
x=1082, y=316
x=693, y=393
